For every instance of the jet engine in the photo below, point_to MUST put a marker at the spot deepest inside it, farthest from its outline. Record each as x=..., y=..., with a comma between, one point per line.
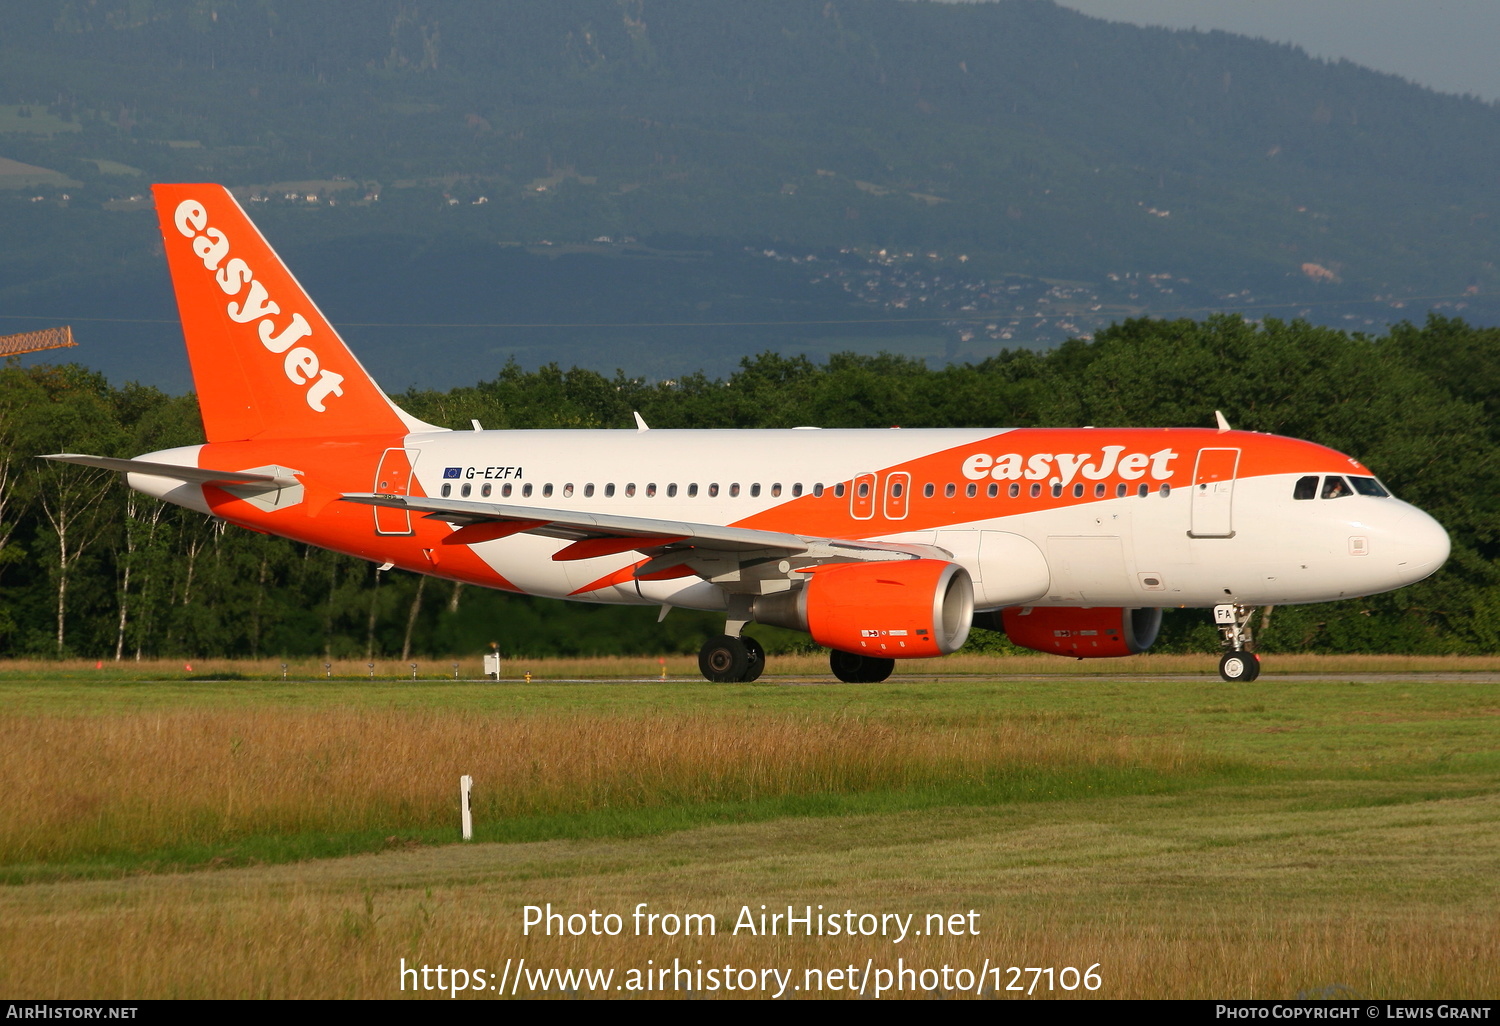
x=1092, y=633
x=898, y=609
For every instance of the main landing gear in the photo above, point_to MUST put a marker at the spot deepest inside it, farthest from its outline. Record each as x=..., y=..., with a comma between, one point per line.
x=733, y=657
x=736, y=658
x=728, y=659
x=858, y=669
x=1239, y=665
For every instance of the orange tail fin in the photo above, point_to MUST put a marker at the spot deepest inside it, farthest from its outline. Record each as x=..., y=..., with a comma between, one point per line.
x=266, y=362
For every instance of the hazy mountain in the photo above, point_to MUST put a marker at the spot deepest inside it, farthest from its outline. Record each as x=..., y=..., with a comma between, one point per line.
x=997, y=143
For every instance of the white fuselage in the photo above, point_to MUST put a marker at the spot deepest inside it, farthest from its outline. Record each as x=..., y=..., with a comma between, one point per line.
x=1099, y=548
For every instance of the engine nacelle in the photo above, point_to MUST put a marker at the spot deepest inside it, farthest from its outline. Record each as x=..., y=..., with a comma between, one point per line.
x=1082, y=633
x=897, y=609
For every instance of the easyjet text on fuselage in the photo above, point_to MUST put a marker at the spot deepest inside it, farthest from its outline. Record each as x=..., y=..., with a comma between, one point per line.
x=1061, y=468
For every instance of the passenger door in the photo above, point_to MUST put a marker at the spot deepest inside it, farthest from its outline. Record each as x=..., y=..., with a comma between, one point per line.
x=1213, y=493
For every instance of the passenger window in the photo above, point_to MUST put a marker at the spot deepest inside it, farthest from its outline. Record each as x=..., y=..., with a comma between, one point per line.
x=713, y=490
x=1335, y=487
x=1057, y=491
x=1015, y=491
x=693, y=490
x=609, y=490
x=797, y=490
x=864, y=489
x=1078, y=490
x=1036, y=491
x=818, y=490
x=1306, y=487
x=447, y=490
x=1120, y=490
x=568, y=490
x=547, y=490
x=671, y=491
x=505, y=490
x=950, y=490
x=651, y=490
x=630, y=490
x=927, y=491
x=776, y=490
x=485, y=491
x=896, y=489
x=1143, y=491
x=1166, y=490
x=588, y=491
x=464, y=491
x=971, y=491
x=755, y=491
x=1369, y=486
x=526, y=491
x=734, y=490
x=993, y=490
x=838, y=490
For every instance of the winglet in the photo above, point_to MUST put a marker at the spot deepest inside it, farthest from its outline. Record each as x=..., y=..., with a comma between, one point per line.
x=640, y=422
x=1223, y=424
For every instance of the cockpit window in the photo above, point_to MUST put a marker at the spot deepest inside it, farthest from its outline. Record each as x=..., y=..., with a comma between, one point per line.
x=1369, y=486
x=1335, y=487
x=1307, y=488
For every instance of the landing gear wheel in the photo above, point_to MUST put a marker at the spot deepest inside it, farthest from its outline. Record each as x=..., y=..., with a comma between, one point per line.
x=857, y=669
x=1239, y=667
x=757, y=658
x=725, y=660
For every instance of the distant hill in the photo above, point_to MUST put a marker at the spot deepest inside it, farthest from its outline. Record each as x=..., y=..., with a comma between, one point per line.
x=1013, y=138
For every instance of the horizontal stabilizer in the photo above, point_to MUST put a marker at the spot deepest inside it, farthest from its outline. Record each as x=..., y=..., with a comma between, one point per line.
x=194, y=475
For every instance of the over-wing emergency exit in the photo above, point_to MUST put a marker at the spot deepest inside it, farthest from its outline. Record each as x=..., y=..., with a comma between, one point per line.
x=882, y=545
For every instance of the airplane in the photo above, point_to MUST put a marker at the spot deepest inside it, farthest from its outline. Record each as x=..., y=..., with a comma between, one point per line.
x=880, y=544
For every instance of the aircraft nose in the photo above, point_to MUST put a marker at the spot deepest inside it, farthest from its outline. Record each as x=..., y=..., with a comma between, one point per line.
x=1421, y=546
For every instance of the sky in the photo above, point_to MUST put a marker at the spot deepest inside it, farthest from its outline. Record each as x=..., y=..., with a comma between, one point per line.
x=1448, y=45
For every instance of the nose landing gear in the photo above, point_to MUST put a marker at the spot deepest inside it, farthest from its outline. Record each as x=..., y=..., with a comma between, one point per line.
x=1239, y=665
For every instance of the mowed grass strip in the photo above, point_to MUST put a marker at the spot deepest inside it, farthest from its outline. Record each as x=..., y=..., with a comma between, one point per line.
x=172, y=788
x=1221, y=892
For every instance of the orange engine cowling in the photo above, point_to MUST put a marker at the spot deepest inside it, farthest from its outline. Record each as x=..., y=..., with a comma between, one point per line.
x=1082, y=633
x=900, y=609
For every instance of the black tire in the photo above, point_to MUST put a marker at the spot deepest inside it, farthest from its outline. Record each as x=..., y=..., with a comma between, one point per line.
x=858, y=669
x=1239, y=667
x=724, y=660
x=845, y=665
x=757, y=659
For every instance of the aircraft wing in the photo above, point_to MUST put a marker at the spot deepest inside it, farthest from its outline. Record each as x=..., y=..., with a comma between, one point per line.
x=195, y=475
x=670, y=541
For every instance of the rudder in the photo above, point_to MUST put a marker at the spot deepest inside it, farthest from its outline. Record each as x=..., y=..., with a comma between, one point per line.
x=266, y=362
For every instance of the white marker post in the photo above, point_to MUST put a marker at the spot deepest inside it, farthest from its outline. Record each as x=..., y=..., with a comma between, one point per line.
x=466, y=785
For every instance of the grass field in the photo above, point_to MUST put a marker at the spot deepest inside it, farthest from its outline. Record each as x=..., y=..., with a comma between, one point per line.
x=167, y=837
